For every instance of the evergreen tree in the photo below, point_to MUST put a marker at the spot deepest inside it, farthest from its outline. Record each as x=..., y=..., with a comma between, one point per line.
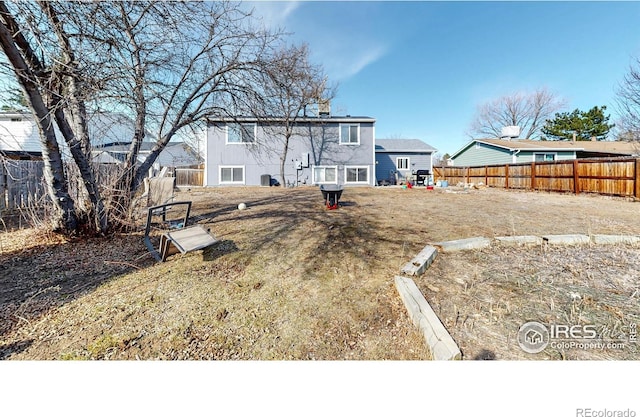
x=584, y=125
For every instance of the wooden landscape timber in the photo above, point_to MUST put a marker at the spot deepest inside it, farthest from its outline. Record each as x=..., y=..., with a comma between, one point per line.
x=611, y=176
x=442, y=345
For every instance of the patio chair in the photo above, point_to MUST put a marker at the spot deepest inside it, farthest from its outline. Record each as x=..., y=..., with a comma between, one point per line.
x=180, y=237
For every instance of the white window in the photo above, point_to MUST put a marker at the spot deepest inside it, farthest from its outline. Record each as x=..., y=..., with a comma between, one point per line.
x=542, y=157
x=349, y=134
x=231, y=175
x=355, y=174
x=241, y=132
x=325, y=175
x=402, y=163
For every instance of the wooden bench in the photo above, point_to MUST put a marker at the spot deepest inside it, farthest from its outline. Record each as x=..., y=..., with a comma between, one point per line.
x=182, y=239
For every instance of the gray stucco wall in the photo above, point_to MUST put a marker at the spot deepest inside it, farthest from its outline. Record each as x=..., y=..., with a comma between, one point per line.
x=319, y=140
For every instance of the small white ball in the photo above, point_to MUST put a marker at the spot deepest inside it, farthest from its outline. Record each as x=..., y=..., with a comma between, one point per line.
x=242, y=206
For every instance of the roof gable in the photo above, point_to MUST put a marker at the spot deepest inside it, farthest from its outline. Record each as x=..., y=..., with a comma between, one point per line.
x=328, y=119
x=403, y=145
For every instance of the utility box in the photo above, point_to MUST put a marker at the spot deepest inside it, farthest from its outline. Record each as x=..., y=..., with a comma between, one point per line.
x=305, y=160
x=265, y=180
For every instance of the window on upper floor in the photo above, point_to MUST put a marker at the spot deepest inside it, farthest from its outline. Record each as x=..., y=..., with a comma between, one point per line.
x=241, y=132
x=349, y=134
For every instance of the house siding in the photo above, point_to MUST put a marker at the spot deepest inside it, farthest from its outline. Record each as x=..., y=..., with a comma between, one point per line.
x=386, y=164
x=320, y=140
x=19, y=136
x=528, y=156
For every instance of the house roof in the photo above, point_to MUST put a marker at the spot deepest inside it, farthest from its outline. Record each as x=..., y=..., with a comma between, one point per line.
x=123, y=147
x=103, y=157
x=609, y=147
x=403, y=145
x=107, y=128
x=175, y=154
x=19, y=132
x=335, y=119
x=178, y=154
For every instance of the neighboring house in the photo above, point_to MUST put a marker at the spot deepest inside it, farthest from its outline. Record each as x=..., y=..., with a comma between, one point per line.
x=323, y=150
x=480, y=152
x=19, y=137
x=174, y=155
x=398, y=159
x=110, y=135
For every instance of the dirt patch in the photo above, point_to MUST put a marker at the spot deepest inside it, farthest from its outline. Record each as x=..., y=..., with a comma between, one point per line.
x=288, y=280
x=483, y=297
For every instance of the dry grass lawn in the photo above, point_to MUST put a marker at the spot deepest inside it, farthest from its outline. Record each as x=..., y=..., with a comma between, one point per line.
x=290, y=280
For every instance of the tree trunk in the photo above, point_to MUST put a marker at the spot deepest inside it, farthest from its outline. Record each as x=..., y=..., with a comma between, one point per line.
x=64, y=216
x=283, y=158
x=76, y=134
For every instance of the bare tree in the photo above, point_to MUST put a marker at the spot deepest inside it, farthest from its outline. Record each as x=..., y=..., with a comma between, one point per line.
x=628, y=104
x=42, y=96
x=529, y=111
x=167, y=65
x=440, y=159
x=291, y=85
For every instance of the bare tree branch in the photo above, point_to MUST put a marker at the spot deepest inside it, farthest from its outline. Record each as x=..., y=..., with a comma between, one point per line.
x=628, y=103
x=291, y=84
x=529, y=111
x=166, y=65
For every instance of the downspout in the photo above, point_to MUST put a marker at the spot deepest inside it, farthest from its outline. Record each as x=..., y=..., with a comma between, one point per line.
x=515, y=156
x=374, y=179
x=205, y=173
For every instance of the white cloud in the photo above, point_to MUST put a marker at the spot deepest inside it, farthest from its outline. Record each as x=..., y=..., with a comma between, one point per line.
x=274, y=15
x=343, y=50
x=343, y=59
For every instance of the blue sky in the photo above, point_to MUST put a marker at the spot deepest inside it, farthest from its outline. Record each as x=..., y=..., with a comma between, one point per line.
x=422, y=68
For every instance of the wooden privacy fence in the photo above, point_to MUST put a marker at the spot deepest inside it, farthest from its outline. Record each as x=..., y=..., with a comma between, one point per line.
x=21, y=184
x=189, y=177
x=617, y=177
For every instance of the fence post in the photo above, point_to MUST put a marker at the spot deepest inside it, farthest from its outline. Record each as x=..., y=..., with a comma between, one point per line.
x=576, y=177
x=468, y=173
x=506, y=176
x=533, y=176
x=636, y=180
x=486, y=175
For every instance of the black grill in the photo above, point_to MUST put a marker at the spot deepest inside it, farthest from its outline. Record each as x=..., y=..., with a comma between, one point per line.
x=421, y=176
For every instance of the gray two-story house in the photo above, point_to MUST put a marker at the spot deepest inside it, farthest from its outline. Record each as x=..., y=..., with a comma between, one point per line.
x=321, y=150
